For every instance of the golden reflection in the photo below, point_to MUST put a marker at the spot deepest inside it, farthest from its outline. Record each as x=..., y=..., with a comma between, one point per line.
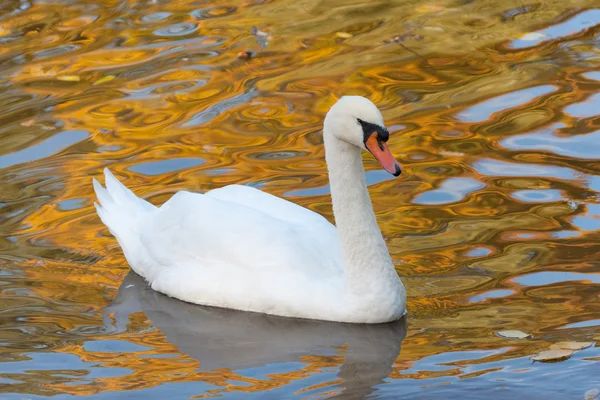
x=156, y=92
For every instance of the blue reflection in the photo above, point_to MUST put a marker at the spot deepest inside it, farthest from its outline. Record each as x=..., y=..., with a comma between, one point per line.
x=576, y=24
x=53, y=145
x=552, y=277
x=450, y=191
x=165, y=166
x=482, y=111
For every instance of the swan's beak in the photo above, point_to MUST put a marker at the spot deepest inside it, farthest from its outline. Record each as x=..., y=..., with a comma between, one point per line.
x=382, y=153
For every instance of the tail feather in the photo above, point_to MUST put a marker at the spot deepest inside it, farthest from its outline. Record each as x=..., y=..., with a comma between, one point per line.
x=119, y=208
x=102, y=195
x=125, y=214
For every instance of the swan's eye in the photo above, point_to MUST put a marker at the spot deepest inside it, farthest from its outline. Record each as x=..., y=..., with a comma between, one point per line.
x=360, y=121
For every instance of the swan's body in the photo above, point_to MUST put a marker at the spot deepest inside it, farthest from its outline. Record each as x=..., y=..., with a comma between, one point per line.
x=238, y=247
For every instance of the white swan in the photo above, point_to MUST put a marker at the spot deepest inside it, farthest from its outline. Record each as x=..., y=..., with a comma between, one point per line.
x=238, y=247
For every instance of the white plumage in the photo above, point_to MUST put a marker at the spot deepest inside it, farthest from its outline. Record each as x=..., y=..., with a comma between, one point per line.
x=238, y=247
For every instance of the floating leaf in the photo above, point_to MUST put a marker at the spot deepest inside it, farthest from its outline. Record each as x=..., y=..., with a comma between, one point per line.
x=571, y=345
x=69, y=78
x=555, y=355
x=104, y=79
x=512, y=334
x=343, y=35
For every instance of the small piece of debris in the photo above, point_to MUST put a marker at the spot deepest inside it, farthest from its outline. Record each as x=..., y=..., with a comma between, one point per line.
x=245, y=55
x=69, y=78
x=38, y=263
x=571, y=345
x=261, y=37
x=258, y=32
x=104, y=79
x=343, y=35
x=513, y=334
x=552, y=356
x=128, y=286
x=408, y=35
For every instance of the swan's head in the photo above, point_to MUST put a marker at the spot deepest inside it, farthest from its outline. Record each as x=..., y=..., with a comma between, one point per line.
x=356, y=120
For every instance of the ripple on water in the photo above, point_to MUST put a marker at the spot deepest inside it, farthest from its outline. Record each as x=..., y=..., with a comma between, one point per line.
x=46, y=148
x=373, y=177
x=492, y=294
x=588, y=221
x=585, y=109
x=450, y=191
x=593, y=75
x=574, y=25
x=482, y=111
x=551, y=277
x=113, y=346
x=155, y=17
x=181, y=29
x=162, y=88
x=576, y=146
x=277, y=155
x=56, y=51
x=72, y=204
x=502, y=168
x=165, y=166
x=479, y=252
x=583, y=324
x=213, y=12
x=538, y=196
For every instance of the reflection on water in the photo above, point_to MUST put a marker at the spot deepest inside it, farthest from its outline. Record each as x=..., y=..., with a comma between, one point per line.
x=249, y=342
x=494, y=113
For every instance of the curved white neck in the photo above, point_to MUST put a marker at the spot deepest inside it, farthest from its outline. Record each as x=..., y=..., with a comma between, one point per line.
x=366, y=258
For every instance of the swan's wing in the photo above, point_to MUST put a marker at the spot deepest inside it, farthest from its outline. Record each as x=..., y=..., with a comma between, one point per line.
x=271, y=205
x=206, y=230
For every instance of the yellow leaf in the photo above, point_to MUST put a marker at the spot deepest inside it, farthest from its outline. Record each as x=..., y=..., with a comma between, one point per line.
x=69, y=78
x=104, y=79
x=343, y=35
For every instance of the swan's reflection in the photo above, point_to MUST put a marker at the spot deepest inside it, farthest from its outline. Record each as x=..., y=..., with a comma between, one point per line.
x=220, y=338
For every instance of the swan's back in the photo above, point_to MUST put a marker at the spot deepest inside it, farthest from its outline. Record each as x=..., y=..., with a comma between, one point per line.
x=235, y=247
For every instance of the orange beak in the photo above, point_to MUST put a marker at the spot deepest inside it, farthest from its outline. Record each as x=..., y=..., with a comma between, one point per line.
x=382, y=153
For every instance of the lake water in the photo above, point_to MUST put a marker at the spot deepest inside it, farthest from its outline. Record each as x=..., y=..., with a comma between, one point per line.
x=494, y=114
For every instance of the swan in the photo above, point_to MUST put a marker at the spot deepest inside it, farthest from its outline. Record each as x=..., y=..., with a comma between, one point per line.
x=238, y=247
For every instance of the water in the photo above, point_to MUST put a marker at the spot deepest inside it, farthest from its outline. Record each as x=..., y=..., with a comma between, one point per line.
x=493, y=109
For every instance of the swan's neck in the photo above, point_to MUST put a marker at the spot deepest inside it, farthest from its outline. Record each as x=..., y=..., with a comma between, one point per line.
x=367, y=262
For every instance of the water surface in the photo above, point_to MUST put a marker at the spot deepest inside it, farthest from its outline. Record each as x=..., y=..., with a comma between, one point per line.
x=493, y=109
